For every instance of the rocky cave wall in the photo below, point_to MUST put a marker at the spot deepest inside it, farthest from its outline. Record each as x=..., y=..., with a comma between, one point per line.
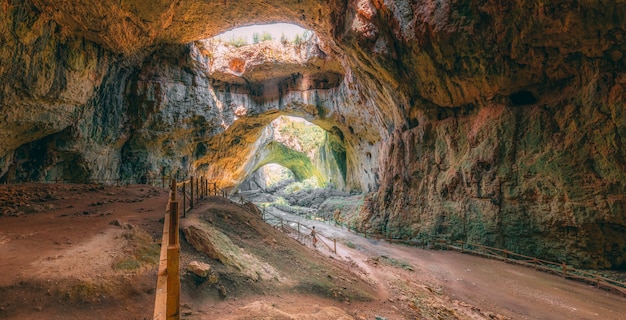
x=514, y=132
x=60, y=97
x=499, y=122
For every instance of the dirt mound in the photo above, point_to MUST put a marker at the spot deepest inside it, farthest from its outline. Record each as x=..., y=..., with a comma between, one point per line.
x=251, y=257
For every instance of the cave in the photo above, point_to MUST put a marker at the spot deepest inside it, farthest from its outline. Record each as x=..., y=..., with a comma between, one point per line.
x=497, y=123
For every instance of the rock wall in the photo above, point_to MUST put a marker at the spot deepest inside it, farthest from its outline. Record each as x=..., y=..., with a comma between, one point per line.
x=514, y=128
x=60, y=98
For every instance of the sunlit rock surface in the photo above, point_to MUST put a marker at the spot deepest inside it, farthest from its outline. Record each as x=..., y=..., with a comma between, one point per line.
x=496, y=122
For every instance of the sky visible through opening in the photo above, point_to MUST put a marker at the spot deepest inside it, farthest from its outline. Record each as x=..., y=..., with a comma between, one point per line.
x=276, y=30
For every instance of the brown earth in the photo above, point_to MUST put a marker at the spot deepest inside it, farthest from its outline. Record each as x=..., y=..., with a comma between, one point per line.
x=90, y=252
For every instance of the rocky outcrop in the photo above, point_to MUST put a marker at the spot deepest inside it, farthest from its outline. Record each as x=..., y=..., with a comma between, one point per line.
x=216, y=245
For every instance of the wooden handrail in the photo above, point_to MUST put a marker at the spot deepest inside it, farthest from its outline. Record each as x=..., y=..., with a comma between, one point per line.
x=318, y=234
x=560, y=269
x=167, y=295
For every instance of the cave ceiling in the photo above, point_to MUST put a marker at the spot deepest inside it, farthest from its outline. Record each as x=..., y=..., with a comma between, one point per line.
x=127, y=26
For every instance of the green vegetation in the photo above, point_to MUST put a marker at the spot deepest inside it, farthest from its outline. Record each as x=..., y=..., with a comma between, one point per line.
x=266, y=36
x=297, y=162
x=311, y=137
x=86, y=292
x=258, y=37
x=395, y=263
x=141, y=250
x=304, y=37
x=308, y=184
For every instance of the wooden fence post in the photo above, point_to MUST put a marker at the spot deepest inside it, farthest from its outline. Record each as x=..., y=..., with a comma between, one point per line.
x=184, y=200
x=202, y=187
x=191, y=199
x=215, y=188
x=335, y=245
x=197, y=189
x=298, y=229
x=173, y=266
x=206, y=187
x=173, y=189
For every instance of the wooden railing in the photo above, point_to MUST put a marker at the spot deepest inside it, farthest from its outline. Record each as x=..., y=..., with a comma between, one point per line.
x=561, y=269
x=195, y=189
x=299, y=231
x=167, y=299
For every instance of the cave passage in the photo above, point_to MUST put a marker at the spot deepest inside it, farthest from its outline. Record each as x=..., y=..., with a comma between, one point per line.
x=266, y=177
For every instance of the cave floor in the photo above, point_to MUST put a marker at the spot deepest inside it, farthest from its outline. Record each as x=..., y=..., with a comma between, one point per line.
x=492, y=286
x=87, y=252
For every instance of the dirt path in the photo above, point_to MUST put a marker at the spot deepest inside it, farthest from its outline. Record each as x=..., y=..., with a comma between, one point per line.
x=514, y=291
x=60, y=244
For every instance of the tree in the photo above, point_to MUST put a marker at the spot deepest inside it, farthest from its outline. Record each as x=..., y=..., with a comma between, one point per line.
x=266, y=36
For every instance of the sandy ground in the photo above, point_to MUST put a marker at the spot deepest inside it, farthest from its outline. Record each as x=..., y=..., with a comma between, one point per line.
x=64, y=249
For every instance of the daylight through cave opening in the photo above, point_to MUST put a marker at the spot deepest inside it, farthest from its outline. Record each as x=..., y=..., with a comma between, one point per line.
x=309, y=153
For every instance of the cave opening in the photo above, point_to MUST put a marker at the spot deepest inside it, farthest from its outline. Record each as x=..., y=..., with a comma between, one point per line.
x=268, y=61
x=254, y=34
x=307, y=151
x=297, y=163
x=268, y=177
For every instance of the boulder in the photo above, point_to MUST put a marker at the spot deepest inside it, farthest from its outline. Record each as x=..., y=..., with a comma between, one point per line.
x=200, y=269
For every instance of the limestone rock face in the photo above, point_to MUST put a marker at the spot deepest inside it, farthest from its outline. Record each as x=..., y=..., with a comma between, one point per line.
x=499, y=122
x=59, y=99
x=515, y=135
x=180, y=117
x=126, y=26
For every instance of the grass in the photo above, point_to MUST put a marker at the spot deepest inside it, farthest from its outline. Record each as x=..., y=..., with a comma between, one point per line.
x=141, y=250
x=396, y=263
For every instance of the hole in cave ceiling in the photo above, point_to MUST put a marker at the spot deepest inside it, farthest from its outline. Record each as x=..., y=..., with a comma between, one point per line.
x=254, y=34
x=267, y=61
